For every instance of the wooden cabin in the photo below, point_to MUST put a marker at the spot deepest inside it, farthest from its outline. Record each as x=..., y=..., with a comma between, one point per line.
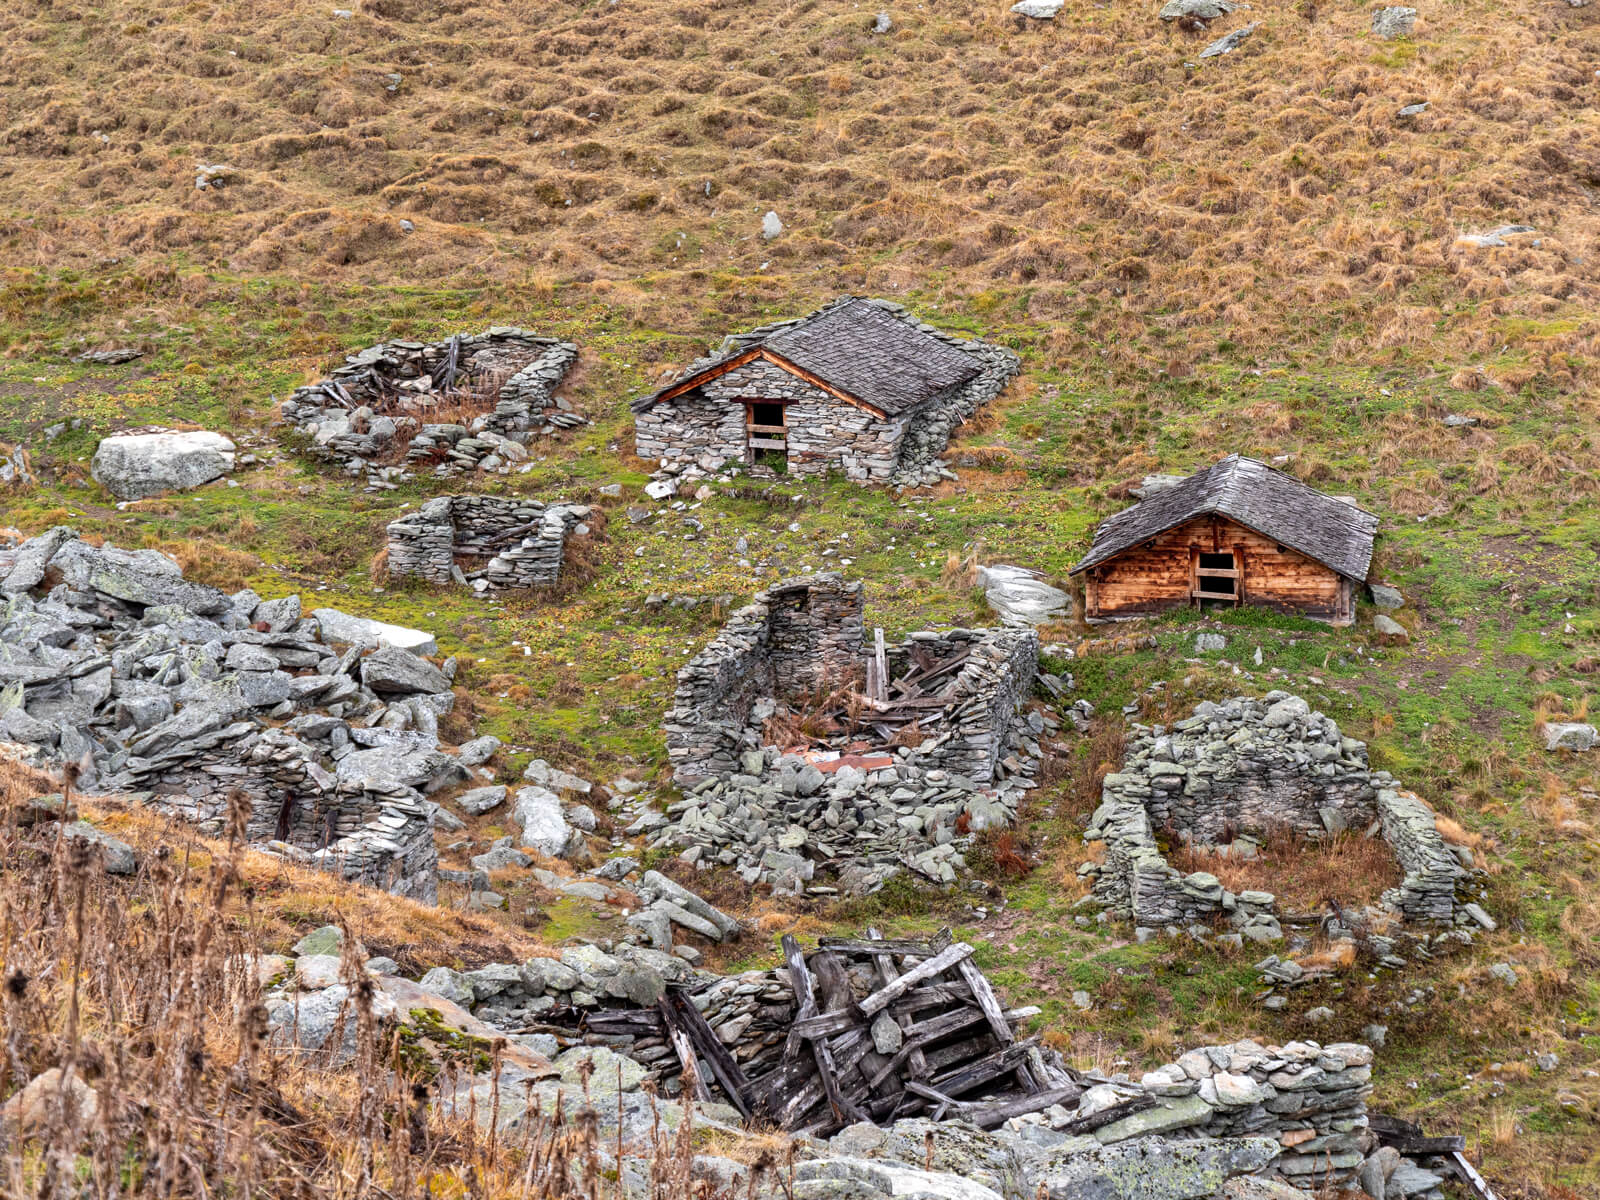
x=859, y=387
x=1238, y=532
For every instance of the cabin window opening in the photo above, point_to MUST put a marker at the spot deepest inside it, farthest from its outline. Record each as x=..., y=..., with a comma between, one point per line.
x=1216, y=577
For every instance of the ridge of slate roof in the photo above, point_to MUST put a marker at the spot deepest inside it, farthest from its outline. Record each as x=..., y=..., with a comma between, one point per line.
x=873, y=350
x=1333, y=532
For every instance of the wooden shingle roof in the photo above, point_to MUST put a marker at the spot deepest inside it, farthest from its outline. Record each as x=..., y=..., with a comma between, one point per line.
x=1335, y=533
x=870, y=351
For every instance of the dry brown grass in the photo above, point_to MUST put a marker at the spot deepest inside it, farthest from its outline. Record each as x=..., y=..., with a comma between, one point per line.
x=1348, y=869
x=136, y=994
x=1049, y=157
x=281, y=901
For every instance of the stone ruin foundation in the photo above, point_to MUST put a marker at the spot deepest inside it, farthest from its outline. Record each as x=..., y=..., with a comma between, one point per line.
x=520, y=543
x=791, y=732
x=805, y=637
x=473, y=402
x=1226, y=778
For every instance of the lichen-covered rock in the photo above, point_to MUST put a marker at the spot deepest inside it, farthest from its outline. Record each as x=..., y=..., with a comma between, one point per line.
x=133, y=466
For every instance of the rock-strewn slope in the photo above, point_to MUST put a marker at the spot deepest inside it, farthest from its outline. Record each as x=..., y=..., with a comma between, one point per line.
x=155, y=685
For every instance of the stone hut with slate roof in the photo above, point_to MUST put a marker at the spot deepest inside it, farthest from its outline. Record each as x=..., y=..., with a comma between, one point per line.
x=1238, y=532
x=861, y=387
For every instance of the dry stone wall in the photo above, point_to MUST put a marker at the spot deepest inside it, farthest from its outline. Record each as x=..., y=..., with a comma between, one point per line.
x=801, y=635
x=425, y=544
x=1224, y=779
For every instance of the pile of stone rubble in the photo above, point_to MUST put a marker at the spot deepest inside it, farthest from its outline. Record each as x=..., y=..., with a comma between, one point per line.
x=164, y=688
x=385, y=404
x=522, y=542
x=781, y=818
x=1225, y=779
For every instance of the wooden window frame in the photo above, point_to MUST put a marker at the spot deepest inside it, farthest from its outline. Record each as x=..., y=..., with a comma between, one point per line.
x=1197, y=574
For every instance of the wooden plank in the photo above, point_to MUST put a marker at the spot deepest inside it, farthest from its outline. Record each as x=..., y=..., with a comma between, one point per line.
x=1108, y=1116
x=806, y=1001
x=884, y=946
x=995, y=1015
x=987, y=1001
x=926, y=969
x=723, y=1065
x=826, y=1024
x=996, y=1113
x=880, y=662
x=1469, y=1175
x=801, y=979
x=932, y=996
x=684, y=1048
x=764, y=443
x=990, y=1067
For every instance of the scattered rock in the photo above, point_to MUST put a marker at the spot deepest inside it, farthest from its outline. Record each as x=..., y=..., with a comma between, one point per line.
x=1019, y=596
x=478, y=801
x=326, y=940
x=345, y=630
x=116, y=855
x=1387, y=598
x=35, y=1108
x=1389, y=630
x=1394, y=21
x=771, y=227
x=1039, y=10
x=883, y=23
x=1230, y=42
x=1201, y=10
x=1570, y=735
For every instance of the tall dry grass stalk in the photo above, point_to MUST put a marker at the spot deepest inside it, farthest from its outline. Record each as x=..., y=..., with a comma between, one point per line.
x=135, y=1050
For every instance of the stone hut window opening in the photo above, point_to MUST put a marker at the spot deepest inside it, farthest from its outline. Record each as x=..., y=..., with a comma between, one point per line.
x=767, y=434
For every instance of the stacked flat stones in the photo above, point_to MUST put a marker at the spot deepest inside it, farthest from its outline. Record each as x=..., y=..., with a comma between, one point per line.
x=750, y=1013
x=425, y=544
x=384, y=393
x=780, y=819
x=1242, y=768
x=163, y=688
x=1311, y=1098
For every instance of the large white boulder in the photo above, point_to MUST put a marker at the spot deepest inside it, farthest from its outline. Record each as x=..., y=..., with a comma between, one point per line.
x=1020, y=597
x=342, y=628
x=132, y=466
x=544, y=825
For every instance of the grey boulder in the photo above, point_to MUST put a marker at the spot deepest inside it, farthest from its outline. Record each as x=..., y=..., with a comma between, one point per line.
x=133, y=466
x=1394, y=21
x=390, y=670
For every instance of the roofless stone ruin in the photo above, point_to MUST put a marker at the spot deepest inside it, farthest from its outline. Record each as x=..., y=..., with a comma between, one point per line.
x=800, y=741
x=519, y=543
x=1223, y=780
x=473, y=402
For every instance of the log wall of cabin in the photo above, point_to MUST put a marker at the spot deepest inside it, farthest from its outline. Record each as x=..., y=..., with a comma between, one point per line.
x=1155, y=575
